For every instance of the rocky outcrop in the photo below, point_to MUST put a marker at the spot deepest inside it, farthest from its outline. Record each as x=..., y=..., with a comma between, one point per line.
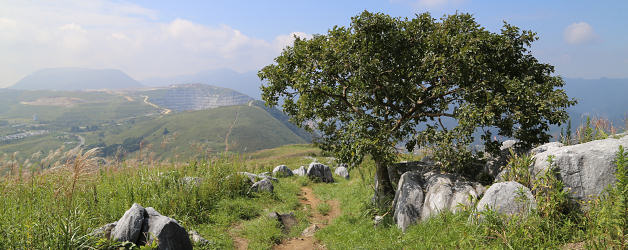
x=301, y=171
x=342, y=171
x=319, y=172
x=585, y=169
x=138, y=223
x=396, y=170
x=506, y=198
x=422, y=195
x=265, y=185
x=282, y=171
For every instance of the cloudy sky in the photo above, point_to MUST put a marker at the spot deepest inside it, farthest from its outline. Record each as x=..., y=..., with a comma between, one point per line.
x=149, y=38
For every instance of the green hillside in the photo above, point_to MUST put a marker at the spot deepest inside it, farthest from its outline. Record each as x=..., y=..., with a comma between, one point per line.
x=204, y=131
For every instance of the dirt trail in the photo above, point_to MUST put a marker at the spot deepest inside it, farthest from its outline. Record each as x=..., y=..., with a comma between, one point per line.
x=238, y=242
x=307, y=241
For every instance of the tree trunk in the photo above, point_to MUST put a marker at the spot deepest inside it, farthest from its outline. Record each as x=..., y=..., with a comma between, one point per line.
x=384, y=192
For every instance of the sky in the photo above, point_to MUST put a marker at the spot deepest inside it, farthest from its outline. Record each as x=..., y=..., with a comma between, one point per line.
x=151, y=38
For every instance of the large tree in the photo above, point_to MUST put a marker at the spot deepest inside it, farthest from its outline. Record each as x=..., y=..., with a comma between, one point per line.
x=383, y=81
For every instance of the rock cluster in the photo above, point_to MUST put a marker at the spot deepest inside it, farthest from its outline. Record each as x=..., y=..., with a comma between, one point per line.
x=422, y=195
x=143, y=226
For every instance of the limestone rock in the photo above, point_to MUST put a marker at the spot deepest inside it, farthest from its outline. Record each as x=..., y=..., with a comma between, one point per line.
x=129, y=227
x=309, y=231
x=197, y=238
x=446, y=192
x=585, y=169
x=494, y=163
x=342, y=171
x=507, y=198
x=167, y=231
x=300, y=171
x=408, y=199
x=104, y=231
x=282, y=171
x=264, y=185
x=319, y=172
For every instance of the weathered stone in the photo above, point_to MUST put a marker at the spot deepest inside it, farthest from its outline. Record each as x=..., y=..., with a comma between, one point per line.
x=267, y=175
x=282, y=171
x=342, y=171
x=319, y=172
x=197, y=238
x=167, y=231
x=129, y=227
x=265, y=185
x=585, y=169
x=300, y=171
x=408, y=199
x=252, y=177
x=287, y=221
x=507, y=198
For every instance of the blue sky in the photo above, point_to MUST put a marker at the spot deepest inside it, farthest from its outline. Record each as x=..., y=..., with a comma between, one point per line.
x=146, y=38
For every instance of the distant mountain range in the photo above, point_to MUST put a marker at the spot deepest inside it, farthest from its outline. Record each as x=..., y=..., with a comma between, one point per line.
x=76, y=79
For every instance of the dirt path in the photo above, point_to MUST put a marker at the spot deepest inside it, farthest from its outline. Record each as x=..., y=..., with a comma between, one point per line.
x=308, y=241
x=238, y=242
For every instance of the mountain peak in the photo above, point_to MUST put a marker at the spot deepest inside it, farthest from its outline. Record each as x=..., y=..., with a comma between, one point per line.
x=76, y=79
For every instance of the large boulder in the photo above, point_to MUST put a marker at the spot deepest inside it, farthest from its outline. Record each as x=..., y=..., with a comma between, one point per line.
x=282, y=171
x=319, y=172
x=129, y=227
x=447, y=192
x=167, y=231
x=585, y=169
x=342, y=171
x=507, y=198
x=265, y=185
x=302, y=171
x=408, y=199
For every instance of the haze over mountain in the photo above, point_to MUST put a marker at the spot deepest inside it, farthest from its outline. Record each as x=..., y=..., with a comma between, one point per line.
x=247, y=83
x=602, y=97
x=76, y=79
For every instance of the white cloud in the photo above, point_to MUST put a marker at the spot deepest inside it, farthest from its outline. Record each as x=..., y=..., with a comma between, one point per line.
x=579, y=33
x=102, y=34
x=282, y=41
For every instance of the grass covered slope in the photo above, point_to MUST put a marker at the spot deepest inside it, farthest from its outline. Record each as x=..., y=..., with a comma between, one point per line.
x=234, y=128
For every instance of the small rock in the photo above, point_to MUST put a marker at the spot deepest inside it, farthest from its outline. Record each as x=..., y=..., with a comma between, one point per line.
x=309, y=231
x=287, y=221
x=378, y=219
x=104, y=231
x=342, y=171
x=300, y=171
x=264, y=185
x=197, y=238
x=282, y=171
